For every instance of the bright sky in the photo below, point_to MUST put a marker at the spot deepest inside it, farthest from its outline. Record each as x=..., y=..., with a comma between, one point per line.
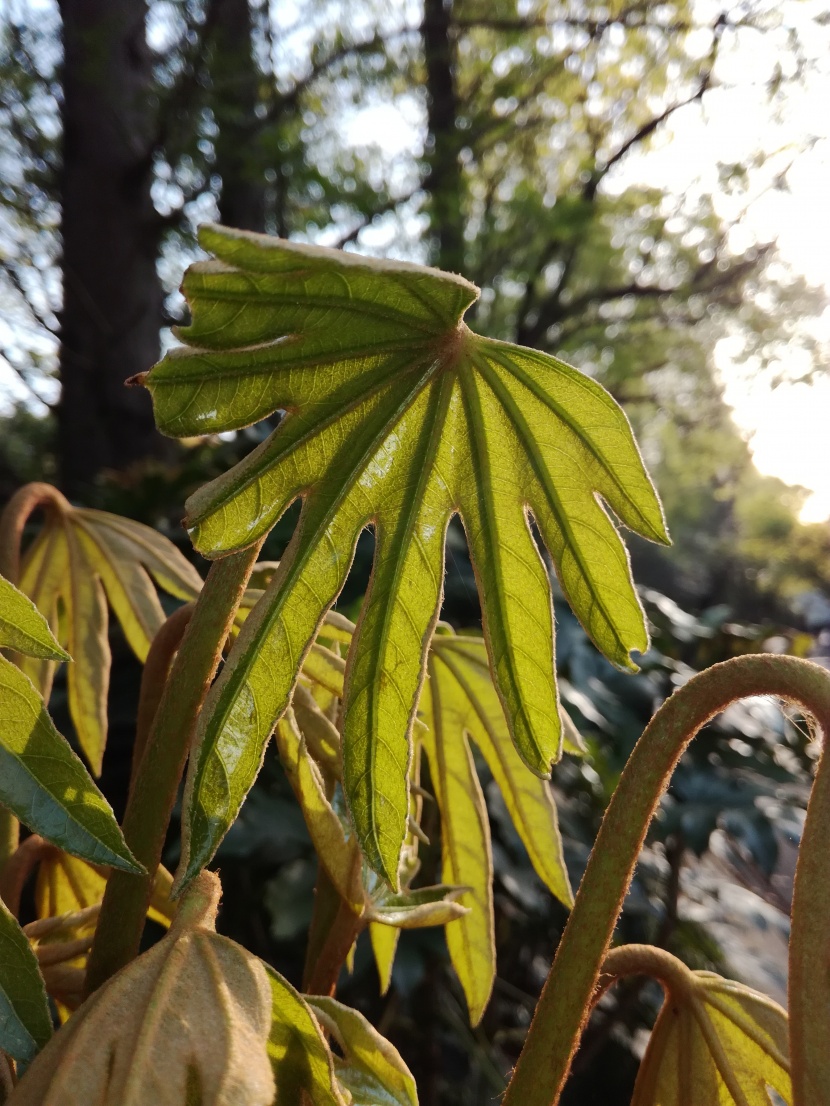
x=788, y=427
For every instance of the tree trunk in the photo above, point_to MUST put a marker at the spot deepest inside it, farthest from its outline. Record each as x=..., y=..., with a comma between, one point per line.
x=443, y=181
x=235, y=80
x=112, y=296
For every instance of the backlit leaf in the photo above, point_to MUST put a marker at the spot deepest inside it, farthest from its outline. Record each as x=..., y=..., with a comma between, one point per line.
x=371, y=1069
x=25, y=1024
x=398, y=417
x=45, y=784
x=718, y=1043
x=23, y=627
x=79, y=560
x=459, y=703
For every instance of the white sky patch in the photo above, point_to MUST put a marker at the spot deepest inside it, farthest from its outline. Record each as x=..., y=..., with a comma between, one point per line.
x=788, y=426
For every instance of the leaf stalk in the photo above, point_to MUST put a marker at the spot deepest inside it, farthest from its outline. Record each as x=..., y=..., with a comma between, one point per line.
x=159, y=772
x=566, y=998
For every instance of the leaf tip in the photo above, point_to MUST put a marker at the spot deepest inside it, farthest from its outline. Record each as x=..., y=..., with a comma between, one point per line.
x=137, y=381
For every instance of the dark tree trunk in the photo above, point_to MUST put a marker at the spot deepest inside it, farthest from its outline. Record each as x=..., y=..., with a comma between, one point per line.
x=112, y=296
x=235, y=81
x=443, y=181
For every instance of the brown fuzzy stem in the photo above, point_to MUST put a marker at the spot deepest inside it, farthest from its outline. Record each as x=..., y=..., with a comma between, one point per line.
x=565, y=1001
x=156, y=784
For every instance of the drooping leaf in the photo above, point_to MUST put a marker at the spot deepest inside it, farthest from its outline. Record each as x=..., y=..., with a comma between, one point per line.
x=69, y=890
x=23, y=627
x=459, y=703
x=45, y=784
x=399, y=417
x=65, y=885
x=79, y=560
x=190, y=1017
x=718, y=1043
x=25, y=1024
x=371, y=1070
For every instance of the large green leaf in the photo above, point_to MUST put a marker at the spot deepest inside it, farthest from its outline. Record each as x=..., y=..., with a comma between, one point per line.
x=45, y=784
x=23, y=627
x=79, y=560
x=25, y=1024
x=715, y=1042
x=397, y=416
x=459, y=702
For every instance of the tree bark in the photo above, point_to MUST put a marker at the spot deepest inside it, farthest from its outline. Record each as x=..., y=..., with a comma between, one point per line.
x=235, y=80
x=112, y=297
x=443, y=181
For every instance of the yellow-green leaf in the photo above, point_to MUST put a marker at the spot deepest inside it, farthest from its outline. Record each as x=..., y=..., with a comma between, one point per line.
x=45, y=784
x=339, y=854
x=371, y=1070
x=715, y=1042
x=23, y=627
x=459, y=702
x=67, y=885
x=79, y=560
x=399, y=417
x=300, y=1058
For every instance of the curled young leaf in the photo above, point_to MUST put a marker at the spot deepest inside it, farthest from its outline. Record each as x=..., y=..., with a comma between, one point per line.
x=398, y=416
x=79, y=560
x=132, y=1043
x=45, y=784
x=23, y=628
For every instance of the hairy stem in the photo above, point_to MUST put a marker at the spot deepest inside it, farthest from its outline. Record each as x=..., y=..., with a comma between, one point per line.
x=334, y=929
x=566, y=998
x=159, y=773
x=19, y=867
x=154, y=679
x=13, y=521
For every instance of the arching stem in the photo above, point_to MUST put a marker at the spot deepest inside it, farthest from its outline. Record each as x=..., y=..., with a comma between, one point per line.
x=565, y=1002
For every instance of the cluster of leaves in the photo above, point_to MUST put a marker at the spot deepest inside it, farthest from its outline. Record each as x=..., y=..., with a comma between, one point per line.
x=398, y=417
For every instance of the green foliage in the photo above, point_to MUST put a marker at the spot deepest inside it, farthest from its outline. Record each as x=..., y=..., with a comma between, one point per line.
x=25, y=1024
x=79, y=560
x=405, y=385
x=41, y=780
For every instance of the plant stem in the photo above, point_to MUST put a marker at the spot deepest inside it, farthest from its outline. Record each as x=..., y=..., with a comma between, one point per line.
x=154, y=679
x=156, y=784
x=13, y=520
x=334, y=929
x=565, y=1001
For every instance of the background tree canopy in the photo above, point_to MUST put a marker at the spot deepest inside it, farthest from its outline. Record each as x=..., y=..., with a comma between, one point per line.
x=500, y=140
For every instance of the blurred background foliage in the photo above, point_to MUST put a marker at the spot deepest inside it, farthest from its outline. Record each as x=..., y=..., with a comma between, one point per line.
x=495, y=139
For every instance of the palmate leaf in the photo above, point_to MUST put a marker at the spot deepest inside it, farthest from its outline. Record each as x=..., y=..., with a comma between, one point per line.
x=397, y=416
x=459, y=703
x=716, y=1042
x=79, y=560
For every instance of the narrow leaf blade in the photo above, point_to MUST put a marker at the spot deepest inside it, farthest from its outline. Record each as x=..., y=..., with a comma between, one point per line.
x=45, y=784
x=25, y=1024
